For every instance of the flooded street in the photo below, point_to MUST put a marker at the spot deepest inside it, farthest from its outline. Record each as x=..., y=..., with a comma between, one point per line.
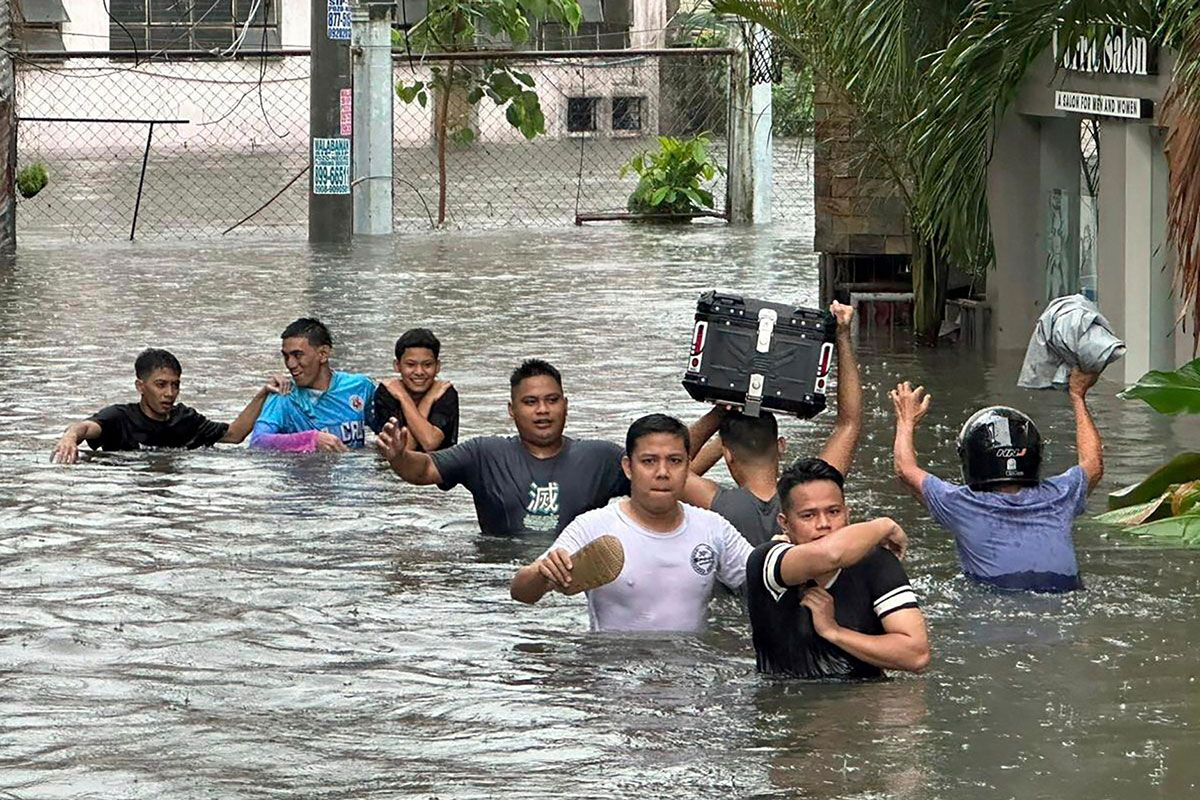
x=228, y=624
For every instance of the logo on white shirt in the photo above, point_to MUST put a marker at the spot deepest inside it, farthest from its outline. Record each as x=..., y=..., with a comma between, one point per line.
x=704, y=559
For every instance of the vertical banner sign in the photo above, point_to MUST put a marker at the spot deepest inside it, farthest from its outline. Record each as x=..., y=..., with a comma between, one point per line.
x=337, y=20
x=347, y=111
x=331, y=166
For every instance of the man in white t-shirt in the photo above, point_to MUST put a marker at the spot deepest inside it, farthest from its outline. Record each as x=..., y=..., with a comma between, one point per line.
x=674, y=553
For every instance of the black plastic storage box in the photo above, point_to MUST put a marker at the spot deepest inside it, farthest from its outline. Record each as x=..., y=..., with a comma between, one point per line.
x=753, y=355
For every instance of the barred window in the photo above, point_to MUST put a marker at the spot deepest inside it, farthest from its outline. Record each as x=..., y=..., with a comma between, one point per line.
x=581, y=114
x=627, y=113
x=153, y=25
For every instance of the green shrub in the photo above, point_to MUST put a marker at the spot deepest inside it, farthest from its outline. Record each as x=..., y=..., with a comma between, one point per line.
x=32, y=179
x=671, y=181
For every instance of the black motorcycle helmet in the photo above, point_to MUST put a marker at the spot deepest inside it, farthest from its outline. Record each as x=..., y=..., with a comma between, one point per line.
x=999, y=444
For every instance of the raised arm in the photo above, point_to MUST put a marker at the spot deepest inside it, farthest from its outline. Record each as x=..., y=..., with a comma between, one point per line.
x=910, y=406
x=241, y=426
x=67, y=449
x=700, y=431
x=842, y=548
x=839, y=450
x=707, y=458
x=415, y=468
x=1087, y=437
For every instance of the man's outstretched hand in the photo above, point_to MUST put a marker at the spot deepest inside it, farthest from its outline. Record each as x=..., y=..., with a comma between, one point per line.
x=392, y=440
x=910, y=404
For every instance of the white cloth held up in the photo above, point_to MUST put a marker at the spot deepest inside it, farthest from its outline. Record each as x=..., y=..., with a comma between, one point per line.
x=1071, y=332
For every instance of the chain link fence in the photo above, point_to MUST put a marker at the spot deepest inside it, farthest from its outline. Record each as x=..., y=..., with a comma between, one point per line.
x=188, y=149
x=217, y=138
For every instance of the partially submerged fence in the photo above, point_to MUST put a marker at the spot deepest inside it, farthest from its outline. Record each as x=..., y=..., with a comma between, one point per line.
x=186, y=147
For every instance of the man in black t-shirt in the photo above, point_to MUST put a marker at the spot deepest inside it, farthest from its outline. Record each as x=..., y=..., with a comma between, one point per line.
x=417, y=400
x=156, y=420
x=752, y=448
x=829, y=602
x=538, y=480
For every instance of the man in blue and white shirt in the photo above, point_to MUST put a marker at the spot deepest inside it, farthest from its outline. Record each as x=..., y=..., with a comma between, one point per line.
x=327, y=410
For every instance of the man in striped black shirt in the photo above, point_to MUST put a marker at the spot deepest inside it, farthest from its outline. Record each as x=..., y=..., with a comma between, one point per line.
x=831, y=602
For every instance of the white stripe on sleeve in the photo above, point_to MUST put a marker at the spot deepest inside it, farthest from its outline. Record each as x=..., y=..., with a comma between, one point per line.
x=900, y=597
x=770, y=566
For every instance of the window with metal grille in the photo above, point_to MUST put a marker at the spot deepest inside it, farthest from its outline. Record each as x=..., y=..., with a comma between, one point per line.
x=153, y=25
x=627, y=113
x=581, y=114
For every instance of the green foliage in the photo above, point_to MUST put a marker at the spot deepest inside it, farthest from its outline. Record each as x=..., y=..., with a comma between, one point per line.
x=792, y=101
x=1175, y=392
x=1182, y=530
x=1182, y=469
x=32, y=179
x=874, y=56
x=455, y=26
x=671, y=180
x=1138, y=513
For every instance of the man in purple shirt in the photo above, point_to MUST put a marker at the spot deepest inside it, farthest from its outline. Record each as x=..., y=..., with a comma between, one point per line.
x=1012, y=529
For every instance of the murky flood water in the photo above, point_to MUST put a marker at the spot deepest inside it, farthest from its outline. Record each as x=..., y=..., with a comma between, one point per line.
x=232, y=624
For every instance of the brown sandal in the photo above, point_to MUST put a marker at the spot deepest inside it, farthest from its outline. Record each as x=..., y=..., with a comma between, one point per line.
x=598, y=562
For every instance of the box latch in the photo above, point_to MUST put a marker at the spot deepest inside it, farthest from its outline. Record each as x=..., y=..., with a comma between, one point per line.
x=766, y=329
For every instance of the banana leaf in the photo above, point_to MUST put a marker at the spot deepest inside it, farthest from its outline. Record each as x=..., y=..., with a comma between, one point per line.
x=1183, y=468
x=1175, y=392
x=1184, y=530
x=1184, y=498
x=1138, y=513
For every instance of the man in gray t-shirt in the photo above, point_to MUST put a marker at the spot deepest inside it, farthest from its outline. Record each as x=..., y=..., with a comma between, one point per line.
x=538, y=480
x=752, y=447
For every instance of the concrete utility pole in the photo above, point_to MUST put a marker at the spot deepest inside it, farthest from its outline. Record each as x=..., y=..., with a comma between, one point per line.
x=329, y=123
x=751, y=176
x=8, y=134
x=373, y=94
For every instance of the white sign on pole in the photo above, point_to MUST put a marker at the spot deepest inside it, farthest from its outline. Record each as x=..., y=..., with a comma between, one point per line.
x=331, y=166
x=1104, y=105
x=337, y=20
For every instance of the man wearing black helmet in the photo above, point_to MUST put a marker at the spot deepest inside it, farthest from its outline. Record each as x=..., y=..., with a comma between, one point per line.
x=1011, y=528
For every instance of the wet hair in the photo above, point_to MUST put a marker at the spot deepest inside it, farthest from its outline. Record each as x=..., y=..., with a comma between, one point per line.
x=418, y=337
x=151, y=359
x=531, y=368
x=806, y=470
x=311, y=329
x=655, y=423
x=750, y=438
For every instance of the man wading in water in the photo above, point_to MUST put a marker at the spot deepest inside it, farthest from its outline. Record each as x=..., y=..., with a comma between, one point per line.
x=829, y=602
x=417, y=400
x=674, y=553
x=752, y=448
x=329, y=410
x=1012, y=529
x=156, y=420
x=538, y=480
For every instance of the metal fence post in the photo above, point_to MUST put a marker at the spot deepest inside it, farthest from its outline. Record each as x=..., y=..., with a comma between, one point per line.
x=137, y=204
x=8, y=134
